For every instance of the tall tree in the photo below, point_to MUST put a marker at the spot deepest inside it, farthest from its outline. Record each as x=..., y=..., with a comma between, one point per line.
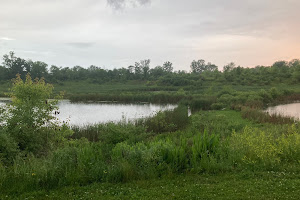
x=15, y=65
x=38, y=69
x=198, y=66
x=167, y=67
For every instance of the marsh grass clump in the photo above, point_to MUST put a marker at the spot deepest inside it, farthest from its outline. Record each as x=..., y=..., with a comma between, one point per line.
x=166, y=121
x=263, y=117
x=110, y=133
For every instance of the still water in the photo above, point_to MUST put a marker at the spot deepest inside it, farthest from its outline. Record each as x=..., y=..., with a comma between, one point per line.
x=90, y=113
x=289, y=110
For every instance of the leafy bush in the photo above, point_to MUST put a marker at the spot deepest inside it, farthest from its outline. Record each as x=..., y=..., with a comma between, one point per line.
x=28, y=122
x=290, y=145
x=255, y=148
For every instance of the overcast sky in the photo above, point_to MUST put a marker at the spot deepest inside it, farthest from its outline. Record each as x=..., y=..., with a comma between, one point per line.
x=116, y=33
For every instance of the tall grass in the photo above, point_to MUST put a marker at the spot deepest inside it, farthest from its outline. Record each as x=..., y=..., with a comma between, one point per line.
x=110, y=133
x=262, y=117
x=129, y=97
x=211, y=142
x=81, y=162
x=166, y=121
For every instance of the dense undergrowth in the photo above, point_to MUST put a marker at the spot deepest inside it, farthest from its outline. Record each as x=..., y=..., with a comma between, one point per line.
x=210, y=142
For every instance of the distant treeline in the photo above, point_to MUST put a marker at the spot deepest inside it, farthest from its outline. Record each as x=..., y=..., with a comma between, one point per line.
x=279, y=72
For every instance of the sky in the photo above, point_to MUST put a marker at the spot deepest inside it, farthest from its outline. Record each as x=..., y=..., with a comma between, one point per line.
x=117, y=33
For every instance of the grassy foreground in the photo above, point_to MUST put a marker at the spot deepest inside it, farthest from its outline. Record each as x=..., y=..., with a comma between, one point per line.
x=265, y=179
x=264, y=185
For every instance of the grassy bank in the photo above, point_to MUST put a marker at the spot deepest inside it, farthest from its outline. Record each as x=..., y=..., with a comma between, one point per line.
x=267, y=185
x=210, y=144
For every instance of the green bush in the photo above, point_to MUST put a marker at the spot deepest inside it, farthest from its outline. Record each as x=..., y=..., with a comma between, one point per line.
x=218, y=106
x=28, y=125
x=290, y=145
x=255, y=148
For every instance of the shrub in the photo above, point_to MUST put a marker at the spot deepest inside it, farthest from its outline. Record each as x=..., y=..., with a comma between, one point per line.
x=218, y=106
x=28, y=122
x=290, y=145
x=255, y=148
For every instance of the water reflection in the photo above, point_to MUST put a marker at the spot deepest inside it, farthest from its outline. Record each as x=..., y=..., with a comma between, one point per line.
x=83, y=113
x=289, y=110
x=90, y=113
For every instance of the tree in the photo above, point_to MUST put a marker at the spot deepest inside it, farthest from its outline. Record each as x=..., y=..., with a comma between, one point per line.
x=211, y=67
x=167, y=67
x=29, y=119
x=3, y=73
x=227, y=69
x=15, y=65
x=142, y=68
x=198, y=66
x=38, y=69
x=157, y=72
x=145, y=65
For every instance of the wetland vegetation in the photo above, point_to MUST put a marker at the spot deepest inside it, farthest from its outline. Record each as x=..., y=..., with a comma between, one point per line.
x=228, y=146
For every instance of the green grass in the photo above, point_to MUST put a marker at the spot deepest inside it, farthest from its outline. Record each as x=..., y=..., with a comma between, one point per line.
x=85, y=87
x=268, y=185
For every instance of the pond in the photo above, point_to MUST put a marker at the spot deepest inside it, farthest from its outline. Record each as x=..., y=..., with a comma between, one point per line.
x=289, y=110
x=90, y=113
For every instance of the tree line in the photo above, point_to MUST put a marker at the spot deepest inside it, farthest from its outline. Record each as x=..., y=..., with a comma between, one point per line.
x=200, y=71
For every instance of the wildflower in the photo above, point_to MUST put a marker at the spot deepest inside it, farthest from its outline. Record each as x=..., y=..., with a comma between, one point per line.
x=33, y=174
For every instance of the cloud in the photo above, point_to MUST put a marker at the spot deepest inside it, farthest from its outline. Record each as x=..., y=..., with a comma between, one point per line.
x=121, y=4
x=80, y=44
x=104, y=32
x=6, y=38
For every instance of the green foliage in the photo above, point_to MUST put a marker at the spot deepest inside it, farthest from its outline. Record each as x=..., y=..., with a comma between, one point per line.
x=218, y=122
x=110, y=133
x=259, y=116
x=8, y=148
x=28, y=122
x=202, y=103
x=290, y=145
x=234, y=186
x=260, y=149
x=255, y=148
x=213, y=142
x=167, y=121
x=203, y=151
